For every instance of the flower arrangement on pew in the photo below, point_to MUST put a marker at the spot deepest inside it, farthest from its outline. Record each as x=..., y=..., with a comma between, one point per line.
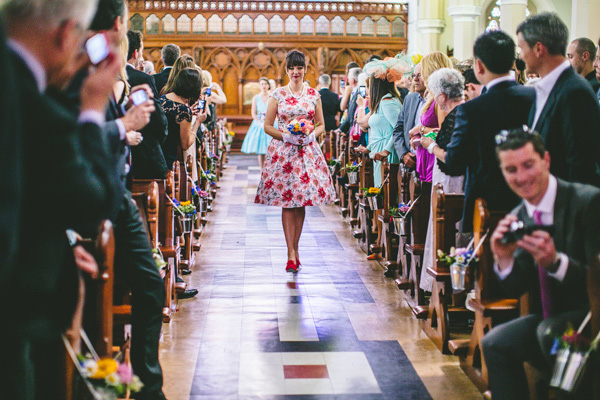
x=200, y=198
x=210, y=176
x=187, y=212
x=352, y=169
x=458, y=260
x=108, y=377
x=158, y=259
x=333, y=163
x=398, y=217
x=372, y=194
x=573, y=350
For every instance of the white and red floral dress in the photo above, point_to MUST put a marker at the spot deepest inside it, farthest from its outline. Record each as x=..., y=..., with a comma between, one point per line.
x=294, y=176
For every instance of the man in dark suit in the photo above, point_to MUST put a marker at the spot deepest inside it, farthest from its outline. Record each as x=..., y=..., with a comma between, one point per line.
x=552, y=268
x=503, y=105
x=330, y=102
x=169, y=54
x=148, y=161
x=407, y=119
x=597, y=68
x=566, y=112
x=581, y=53
x=74, y=177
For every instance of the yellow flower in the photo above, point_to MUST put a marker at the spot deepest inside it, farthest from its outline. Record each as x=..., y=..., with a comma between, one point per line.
x=374, y=190
x=106, y=366
x=185, y=203
x=231, y=133
x=416, y=58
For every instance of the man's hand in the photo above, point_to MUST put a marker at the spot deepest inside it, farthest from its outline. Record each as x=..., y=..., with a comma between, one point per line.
x=98, y=86
x=381, y=155
x=541, y=247
x=134, y=89
x=138, y=116
x=425, y=142
x=133, y=138
x=361, y=149
x=503, y=253
x=410, y=160
x=416, y=131
x=85, y=261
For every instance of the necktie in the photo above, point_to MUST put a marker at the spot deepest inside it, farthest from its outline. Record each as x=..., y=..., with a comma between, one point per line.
x=545, y=285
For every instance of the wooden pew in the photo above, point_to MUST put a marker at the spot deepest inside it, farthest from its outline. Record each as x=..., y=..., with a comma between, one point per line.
x=420, y=192
x=402, y=261
x=365, y=234
x=389, y=241
x=490, y=305
x=447, y=211
x=343, y=152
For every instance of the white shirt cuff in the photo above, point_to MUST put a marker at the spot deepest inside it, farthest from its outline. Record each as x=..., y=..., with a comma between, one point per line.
x=561, y=272
x=91, y=116
x=505, y=272
x=121, y=126
x=431, y=147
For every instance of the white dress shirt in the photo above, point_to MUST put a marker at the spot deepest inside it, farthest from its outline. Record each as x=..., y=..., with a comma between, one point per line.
x=546, y=208
x=544, y=86
x=496, y=81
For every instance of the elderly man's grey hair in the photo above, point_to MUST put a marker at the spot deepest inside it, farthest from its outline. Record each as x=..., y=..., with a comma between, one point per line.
x=353, y=73
x=449, y=82
x=325, y=80
x=50, y=12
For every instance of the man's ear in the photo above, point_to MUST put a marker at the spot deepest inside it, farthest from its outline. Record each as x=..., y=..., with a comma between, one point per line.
x=479, y=67
x=585, y=56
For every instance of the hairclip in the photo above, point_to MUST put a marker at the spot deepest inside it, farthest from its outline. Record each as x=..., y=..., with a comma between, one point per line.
x=504, y=134
x=390, y=68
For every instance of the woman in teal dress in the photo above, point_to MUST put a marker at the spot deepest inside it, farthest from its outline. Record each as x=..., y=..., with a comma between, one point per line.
x=385, y=105
x=256, y=140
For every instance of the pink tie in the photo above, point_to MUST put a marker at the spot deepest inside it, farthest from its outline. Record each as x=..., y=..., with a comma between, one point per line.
x=545, y=286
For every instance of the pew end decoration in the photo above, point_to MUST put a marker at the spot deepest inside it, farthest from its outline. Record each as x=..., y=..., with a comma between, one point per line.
x=573, y=352
x=458, y=261
x=186, y=214
x=352, y=169
x=333, y=164
x=398, y=217
x=373, y=196
x=109, y=378
x=159, y=259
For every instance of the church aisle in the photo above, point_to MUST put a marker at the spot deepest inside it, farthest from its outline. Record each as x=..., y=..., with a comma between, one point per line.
x=340, y=330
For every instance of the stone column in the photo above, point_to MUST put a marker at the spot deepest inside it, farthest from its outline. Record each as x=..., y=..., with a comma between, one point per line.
x=430, y=26
x=513, y=13
x=584, y=19
x=466, y=28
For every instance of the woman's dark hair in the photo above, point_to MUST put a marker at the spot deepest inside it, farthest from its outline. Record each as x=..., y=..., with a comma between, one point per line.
x=295, y=58
x=378, y=89
x=188, y=84
x=264, y=79
x=108, y=11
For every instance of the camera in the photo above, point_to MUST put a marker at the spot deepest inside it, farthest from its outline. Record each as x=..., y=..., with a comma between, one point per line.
x=518, y=229
x=362, y=91
x=97, y=48
x=201, y=104
x=139, y=97
x=208, y=91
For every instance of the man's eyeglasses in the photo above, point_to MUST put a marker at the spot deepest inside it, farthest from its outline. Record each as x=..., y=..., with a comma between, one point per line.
x=505, y=135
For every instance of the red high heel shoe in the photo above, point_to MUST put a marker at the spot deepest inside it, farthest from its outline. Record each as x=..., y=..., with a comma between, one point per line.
x=291, y=267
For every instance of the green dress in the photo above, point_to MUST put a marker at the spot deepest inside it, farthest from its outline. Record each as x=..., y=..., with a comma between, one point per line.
x=381, y=127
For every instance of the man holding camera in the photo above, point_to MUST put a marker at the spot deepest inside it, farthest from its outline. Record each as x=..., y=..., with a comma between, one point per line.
x=552, y=268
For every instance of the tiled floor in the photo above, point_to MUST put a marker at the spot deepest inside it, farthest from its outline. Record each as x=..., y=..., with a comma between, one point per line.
x=337, y=330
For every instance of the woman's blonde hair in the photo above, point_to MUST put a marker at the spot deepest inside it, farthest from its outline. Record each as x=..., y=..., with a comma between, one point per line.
x=206, y=78
x=183, y=62
x=123, y=52
x=429, y=64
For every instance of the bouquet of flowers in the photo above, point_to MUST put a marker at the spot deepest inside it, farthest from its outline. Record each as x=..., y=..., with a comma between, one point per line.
x=462, y=255
x=187, y=208
x=261, y=117
x=371, y=192
x=209, y=176
x=573, y=350
x=300, y=130
x=401, y=211
x=158, y=259
x=372, y=195
x=352, y=167
x=108, y=377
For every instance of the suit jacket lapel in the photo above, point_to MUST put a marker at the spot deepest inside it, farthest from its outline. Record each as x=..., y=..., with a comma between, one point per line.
x=550, y=103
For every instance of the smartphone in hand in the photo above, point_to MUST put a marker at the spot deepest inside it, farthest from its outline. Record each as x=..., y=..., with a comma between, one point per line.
x=139, y=97
x=97, y=48
x=362, y=91
x=201, y=104
x=208, y=91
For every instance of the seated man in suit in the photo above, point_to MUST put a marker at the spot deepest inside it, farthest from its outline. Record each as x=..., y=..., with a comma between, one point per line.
x=581, y=53
x=552, y=268
x=504, y=104
x=169, y=54
x=330, y=101
x=407, y=120
x=566, y=112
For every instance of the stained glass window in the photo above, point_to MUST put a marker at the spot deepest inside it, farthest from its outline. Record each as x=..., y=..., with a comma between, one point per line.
x=383, y=27
x=307, y=25
x=245, y=24
x=291, y=25
x=137, y=23
x=398, y=27
x=352, y=26
x=367, y=26
x=275, y=25
x=214, y=24
x=337, y=26
x=152, y=25
x=322, y=25
x=184, y=24
x=168, y=24
x=199, y=24
x=230, y=25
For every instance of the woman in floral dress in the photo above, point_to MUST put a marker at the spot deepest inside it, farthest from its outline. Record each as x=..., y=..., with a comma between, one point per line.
x=295, y=174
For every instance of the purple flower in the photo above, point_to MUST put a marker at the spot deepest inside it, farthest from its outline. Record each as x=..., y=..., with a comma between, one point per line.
x=125, y=373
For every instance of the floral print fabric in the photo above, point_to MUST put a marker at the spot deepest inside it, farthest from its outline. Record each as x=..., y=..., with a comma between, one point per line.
x=294, y=176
